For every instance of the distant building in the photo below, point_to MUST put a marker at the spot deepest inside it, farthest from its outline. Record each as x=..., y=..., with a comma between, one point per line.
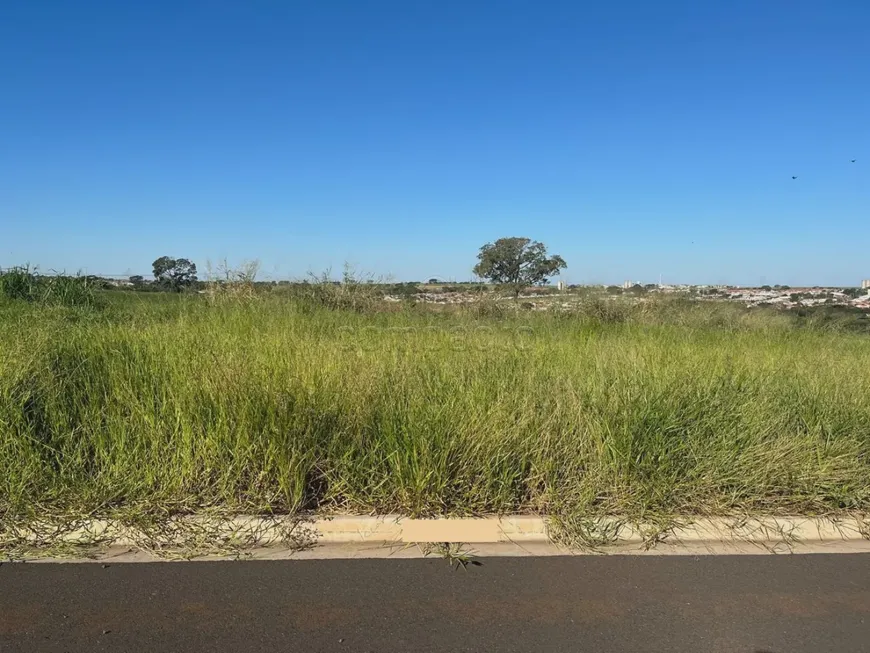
x=627, y=284
x=865, y=284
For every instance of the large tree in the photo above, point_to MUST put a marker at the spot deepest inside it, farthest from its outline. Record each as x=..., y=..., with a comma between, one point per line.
x=517, y=263
x=174, y=273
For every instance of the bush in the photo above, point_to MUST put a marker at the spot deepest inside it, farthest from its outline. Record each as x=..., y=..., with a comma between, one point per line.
x=404, y=290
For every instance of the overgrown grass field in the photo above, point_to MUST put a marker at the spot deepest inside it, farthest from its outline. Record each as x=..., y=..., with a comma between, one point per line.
x=164, y=403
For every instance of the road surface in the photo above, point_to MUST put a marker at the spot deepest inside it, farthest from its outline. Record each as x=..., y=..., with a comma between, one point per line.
x=739, y=604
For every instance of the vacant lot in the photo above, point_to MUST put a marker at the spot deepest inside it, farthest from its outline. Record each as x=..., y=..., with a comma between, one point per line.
x=158, y=403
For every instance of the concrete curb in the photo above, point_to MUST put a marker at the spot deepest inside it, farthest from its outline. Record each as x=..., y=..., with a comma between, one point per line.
x=522, y=530
x=605, y=533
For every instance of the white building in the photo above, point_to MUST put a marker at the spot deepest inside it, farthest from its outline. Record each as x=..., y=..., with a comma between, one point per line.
x=865, y=284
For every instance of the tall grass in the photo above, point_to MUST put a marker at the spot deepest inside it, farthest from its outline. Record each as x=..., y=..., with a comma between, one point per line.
x=24, y=284
x=282, y=405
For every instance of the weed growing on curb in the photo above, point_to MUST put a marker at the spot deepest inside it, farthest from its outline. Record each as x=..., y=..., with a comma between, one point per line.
x=454, y=553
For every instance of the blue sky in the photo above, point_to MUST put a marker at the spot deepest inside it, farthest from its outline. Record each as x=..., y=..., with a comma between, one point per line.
x=633, y=138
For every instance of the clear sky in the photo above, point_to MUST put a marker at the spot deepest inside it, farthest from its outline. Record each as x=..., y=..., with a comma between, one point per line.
x=634, y=138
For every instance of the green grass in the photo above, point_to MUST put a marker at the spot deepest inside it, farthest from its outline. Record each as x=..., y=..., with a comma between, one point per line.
x=162, y=404
x=24, y=284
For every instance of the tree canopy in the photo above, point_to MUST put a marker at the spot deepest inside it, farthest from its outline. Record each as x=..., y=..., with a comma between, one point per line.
x=517, y=263
x=173, y=273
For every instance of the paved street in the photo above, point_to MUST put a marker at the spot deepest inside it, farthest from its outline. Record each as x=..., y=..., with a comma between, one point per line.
x=740, y=604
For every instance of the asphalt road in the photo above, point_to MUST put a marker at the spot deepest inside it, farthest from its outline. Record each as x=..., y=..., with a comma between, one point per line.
x=740, y=604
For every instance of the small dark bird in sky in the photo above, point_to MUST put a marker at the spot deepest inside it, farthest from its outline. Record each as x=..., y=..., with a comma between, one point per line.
x=794, y=177
x=853, y=160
